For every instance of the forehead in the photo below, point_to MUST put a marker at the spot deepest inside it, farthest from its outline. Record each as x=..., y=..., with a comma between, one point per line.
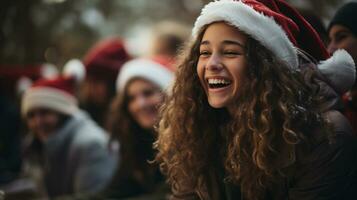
x=139, y=83
x=338, y=28
x=42, y=111
x=218, y=31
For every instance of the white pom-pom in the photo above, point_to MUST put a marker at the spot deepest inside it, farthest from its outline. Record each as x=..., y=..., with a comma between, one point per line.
x=74, y=68
x=340, y=70
x=23, y=84
x=49, y=71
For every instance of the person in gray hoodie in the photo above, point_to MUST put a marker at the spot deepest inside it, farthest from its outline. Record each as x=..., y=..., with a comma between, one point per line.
x=72, y=152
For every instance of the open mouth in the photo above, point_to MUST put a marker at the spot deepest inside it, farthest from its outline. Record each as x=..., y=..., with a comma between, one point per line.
x=215, y=83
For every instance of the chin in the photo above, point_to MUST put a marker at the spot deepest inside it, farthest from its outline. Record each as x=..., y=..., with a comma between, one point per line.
x=217, y=105
x=147, y=125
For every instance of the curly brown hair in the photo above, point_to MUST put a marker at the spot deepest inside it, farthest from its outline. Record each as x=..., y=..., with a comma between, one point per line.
x=275, y=111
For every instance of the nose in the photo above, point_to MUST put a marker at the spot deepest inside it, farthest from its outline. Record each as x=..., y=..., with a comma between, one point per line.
x=35, y=120
x=331, y=48
x=141, y=101
x=214, y=63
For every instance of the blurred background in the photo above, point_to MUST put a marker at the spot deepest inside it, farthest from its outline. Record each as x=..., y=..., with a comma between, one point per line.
x=37, y=38
x=54, y=31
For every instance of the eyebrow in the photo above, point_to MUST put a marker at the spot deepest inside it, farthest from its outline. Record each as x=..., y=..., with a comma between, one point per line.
x=225, y=42
x=340, y=31
x=337, y=34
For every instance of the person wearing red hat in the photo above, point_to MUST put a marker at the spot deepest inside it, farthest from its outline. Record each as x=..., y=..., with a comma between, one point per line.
x=253, y=114
x=102, y=62
x=73, y=152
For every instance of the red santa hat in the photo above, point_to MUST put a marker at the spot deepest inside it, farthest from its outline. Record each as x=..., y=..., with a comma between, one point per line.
x=282, y=30
x=157, y=70
x=57, y=93
x=104, y=60
x=11, y=75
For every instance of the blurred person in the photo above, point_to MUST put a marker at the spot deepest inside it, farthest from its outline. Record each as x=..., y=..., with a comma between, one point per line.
x=68, y=153
x=168, y=38
x=142, y=85
x=252, y=116
x=12, y=130
x=103, y=62
x=343, y=35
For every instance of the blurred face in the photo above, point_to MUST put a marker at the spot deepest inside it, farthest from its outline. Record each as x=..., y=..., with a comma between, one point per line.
x=222, y=63
x=144, y=99
x=342, y=38
x=43, y=122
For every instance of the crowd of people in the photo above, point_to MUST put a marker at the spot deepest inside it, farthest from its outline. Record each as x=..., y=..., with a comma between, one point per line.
x=259, y=103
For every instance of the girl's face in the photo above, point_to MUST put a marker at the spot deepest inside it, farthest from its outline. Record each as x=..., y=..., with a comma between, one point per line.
x=43, y=122
x=222, y=63
x=144, y=99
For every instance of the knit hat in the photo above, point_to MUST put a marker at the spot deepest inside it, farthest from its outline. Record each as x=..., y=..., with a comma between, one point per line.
x=278, y=27
x=57, y=93
x=104, y=60
x=156, y=70
x=347, y=17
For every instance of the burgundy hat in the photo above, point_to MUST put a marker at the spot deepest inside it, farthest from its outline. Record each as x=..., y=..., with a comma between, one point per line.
x=104, y=60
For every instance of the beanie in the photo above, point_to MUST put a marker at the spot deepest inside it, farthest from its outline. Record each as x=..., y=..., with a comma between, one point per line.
x=346, y=16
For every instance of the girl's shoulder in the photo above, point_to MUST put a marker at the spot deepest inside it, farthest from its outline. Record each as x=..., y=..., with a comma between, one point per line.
x=336, y=135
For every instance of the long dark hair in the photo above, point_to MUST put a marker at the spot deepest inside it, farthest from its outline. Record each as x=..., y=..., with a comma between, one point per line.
x=135, y=146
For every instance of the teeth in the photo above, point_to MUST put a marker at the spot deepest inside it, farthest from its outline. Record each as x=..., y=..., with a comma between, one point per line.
x=218, y=81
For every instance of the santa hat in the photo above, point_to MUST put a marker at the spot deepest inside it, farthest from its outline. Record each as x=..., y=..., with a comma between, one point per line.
x=156, y=70
x=57, y=93
x=11, y=75
x=278, y=27
x=104, y=60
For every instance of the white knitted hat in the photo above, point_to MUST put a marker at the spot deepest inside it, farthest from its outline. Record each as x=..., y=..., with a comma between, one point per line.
x=145, y=68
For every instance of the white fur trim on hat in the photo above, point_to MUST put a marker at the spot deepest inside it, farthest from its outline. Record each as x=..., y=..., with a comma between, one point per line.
x=146, y=69
x=340, y=70
x=76, y=69
x=47, y=97
x=260, y=27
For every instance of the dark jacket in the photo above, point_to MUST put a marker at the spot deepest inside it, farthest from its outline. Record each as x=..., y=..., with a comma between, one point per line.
x=350, y=111
x=327, y=170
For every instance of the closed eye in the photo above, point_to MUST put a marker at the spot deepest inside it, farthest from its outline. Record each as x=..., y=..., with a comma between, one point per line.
x=205, y=53
x=340, y=37
x=232, y=53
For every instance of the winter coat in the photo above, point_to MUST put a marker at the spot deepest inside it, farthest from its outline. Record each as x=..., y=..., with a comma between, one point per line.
x=326, y=171
x=77, y=159
x=350, y=111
